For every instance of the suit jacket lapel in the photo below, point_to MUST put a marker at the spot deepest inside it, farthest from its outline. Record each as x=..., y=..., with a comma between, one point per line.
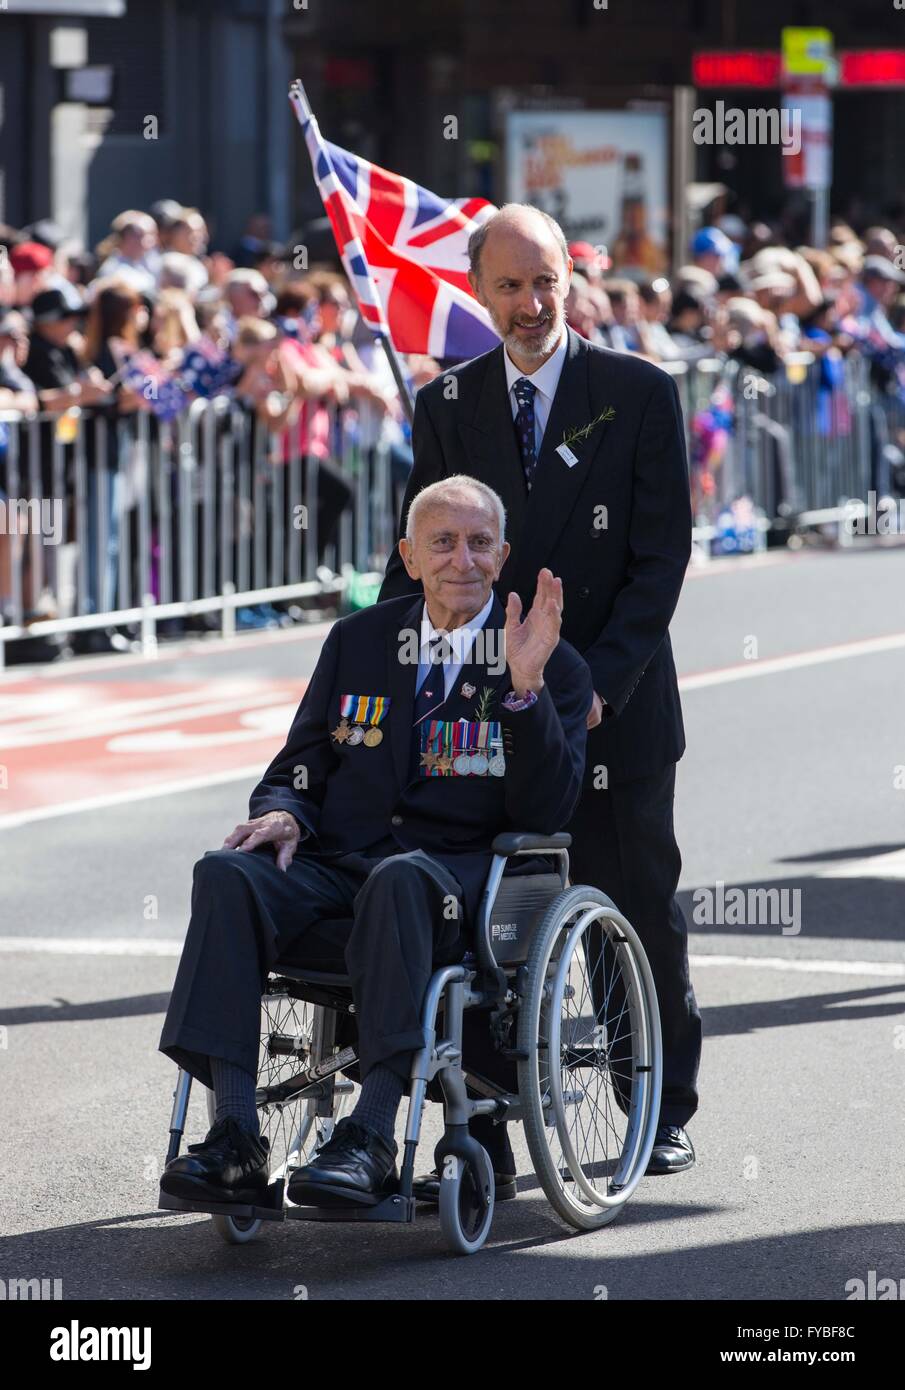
x=483, y=674
x=401, y=677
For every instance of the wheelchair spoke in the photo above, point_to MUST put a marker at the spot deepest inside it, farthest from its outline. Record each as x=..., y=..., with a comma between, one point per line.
x=590, y=1088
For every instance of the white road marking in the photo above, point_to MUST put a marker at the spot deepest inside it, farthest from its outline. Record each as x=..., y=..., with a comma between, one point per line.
x=884, y=968
x=878, y=866
x=83, y=705
x=117, y=661
x=88, y=946
x=106, y=721
x=769, y=666
x=275, y=720
x=128, y=946
x=124, y=798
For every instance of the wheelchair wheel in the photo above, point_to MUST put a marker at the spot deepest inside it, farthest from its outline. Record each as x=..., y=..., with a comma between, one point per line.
x=591, y=1074
x=291, y=1034
x=466, y=1202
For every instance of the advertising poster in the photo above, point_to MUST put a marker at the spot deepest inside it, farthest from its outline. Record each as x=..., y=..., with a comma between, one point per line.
x=601, y=174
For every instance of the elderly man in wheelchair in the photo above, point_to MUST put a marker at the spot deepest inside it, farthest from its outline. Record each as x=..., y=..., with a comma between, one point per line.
x=401, y=878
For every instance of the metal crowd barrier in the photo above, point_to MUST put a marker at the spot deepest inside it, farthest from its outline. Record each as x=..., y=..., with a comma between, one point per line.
x=144, y=520
x=800, y=444
x=147, y=520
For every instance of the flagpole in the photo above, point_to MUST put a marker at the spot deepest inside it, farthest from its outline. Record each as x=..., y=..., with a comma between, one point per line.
x=299, y=101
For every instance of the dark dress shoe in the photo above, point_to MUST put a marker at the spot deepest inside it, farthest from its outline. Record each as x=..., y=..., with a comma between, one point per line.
x=672, y=1151
x=355, y=1165
x=230, y=1165
x=427, y=1187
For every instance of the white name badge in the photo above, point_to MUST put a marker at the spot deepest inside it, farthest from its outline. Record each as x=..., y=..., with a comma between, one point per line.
x=565, y=453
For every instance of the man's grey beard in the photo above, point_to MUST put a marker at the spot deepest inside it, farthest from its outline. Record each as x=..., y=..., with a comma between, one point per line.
x=520, y=348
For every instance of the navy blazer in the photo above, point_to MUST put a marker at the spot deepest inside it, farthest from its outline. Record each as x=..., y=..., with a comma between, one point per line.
x=348, y=798
x=615, y=525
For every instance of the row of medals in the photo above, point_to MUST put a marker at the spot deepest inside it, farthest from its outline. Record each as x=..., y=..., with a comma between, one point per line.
x=467, y=764
x=464, y=764
x=354, y=734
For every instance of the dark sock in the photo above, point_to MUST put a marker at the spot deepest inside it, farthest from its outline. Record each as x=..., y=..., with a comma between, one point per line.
x=381, y=1092
x=234, y=1092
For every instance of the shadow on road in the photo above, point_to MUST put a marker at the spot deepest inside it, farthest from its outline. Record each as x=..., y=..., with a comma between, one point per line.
x=531, y=1257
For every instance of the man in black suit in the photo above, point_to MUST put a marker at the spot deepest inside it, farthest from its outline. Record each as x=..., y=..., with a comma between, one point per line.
x=399, y=770
x=586, y=448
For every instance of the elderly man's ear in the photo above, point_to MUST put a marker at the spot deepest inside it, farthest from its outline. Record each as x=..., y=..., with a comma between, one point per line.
x=408, y=559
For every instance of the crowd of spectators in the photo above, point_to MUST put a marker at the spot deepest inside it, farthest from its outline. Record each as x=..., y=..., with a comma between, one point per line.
x=744, y=294
x=155, y=317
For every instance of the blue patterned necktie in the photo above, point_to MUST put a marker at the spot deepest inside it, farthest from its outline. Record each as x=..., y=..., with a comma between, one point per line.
x=524, y=426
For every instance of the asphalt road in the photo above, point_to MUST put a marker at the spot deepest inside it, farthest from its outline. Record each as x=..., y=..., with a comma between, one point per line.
x=793, y=674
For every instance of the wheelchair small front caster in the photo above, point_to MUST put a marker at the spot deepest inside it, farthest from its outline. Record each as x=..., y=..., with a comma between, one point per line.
x=466, y=1201
x=236, y=1230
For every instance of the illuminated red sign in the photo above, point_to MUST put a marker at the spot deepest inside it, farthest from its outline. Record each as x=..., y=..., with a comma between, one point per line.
x=746, y=69
x=869, y=67
x=874, y=67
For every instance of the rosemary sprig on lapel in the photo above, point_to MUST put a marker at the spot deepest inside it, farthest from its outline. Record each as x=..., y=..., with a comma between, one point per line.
x=483, y=709
x=570, y=436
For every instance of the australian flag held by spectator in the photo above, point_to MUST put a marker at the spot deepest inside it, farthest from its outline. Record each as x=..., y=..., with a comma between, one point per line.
x=404, y=250
x=148, y=378
x=206, y=369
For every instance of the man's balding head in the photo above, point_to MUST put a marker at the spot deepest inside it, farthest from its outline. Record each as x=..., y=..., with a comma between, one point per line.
x=517, y=220
x=520, y=271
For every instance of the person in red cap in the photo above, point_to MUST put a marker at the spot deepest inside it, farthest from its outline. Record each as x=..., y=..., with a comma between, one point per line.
x=590, y=261
x=31, y=263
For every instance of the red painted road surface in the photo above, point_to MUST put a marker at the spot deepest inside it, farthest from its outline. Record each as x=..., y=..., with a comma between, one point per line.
x=64, y=742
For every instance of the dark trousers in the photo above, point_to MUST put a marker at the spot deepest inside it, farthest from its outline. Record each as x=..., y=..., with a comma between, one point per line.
x=406, y=917
x=623, y=843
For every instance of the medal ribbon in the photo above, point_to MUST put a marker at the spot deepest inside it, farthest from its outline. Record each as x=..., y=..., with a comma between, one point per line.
x=364, y=709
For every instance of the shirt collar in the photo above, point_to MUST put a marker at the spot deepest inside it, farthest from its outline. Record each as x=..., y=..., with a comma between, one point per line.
x=461, y=639
x=546, y=378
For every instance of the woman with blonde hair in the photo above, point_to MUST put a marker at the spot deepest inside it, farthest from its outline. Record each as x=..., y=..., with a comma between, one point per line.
x=173, y=325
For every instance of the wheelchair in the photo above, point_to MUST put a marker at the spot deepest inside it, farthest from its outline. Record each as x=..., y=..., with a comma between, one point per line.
x=570, y=1006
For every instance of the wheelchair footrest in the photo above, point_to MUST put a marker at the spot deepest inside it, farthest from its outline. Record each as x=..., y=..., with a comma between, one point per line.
x=392, y=1208
x=272, y=1209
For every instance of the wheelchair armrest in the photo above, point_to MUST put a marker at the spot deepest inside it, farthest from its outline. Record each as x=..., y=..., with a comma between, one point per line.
x=512, y=841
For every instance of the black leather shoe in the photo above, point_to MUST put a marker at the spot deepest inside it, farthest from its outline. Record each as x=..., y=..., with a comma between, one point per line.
x=230, y=1165
x=672, y=1151
x=355, y=1165
x=427, y=1187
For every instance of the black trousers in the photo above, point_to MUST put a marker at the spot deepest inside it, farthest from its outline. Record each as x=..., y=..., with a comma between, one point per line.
x=407, y=918
x=623, y=843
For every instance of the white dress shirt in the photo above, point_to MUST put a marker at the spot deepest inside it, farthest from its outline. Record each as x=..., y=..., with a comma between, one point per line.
x=460, y=639
x=545, y=378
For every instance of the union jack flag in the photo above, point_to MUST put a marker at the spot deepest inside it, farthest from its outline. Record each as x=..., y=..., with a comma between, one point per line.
x=404, y=250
